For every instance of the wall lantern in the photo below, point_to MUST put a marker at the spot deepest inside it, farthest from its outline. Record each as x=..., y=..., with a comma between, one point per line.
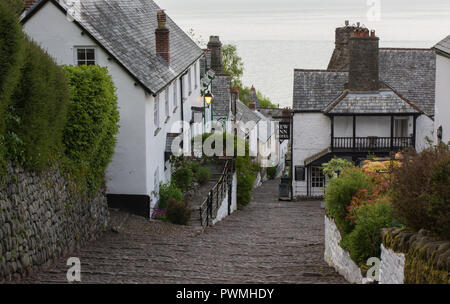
x=208, y=98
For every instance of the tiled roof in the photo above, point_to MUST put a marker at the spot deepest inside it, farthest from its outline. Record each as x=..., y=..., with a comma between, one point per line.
x=313, y=89
x=409, y=72
x=412, y=73
x=444, y=45
x=385, y=101
x=126, y=29
x=221, y=89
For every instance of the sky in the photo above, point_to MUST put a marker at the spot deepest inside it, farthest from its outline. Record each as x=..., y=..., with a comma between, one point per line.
x=394, y=20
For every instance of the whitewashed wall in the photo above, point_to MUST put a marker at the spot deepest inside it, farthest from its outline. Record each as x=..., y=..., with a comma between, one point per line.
x=338, y=258
x=223, y=209
x=312, y=132
x=392, y=266
x=442, y=110
x=54, y=33
x=424, y=129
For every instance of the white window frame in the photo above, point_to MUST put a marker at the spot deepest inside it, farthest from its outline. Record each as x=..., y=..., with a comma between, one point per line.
x=166, y=96
x=196, y=75
x=190, y=81
x=156, y=112
x=75, y=55
x=156, y=180
x=175, y=94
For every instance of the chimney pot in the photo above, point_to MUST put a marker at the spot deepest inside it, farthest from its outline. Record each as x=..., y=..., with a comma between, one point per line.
x=161, y=16
x=347, y=22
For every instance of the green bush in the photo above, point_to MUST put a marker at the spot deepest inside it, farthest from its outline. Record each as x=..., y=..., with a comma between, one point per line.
x=183, y=177
x=365, y=240
x=339, y=193
x=166, y=192
x=11, y=57
x=203, y=175
x=271, y=172
x=421, y=190
x=11, y=60
x=90, y=133
x=335, y=166
x=195, y=166
x=39, y=108
x=178, y=212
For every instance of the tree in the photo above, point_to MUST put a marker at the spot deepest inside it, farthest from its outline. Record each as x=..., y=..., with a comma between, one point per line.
x=232, y=64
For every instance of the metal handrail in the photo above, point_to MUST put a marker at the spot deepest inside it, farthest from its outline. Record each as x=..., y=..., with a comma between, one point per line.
x=217, y=193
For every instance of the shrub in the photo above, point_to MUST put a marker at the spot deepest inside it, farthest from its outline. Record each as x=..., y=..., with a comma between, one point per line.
x=365, y=240
x=90, y=133
x=11, y=57
x=178, y=212
x=195, y=166
x=335, y=166
x=40, y=102
x=421, y=190
x=166, y=192
x=246, y=177
x=271, y=172
x=183, y=177
x=340, y=192
x=203, y=175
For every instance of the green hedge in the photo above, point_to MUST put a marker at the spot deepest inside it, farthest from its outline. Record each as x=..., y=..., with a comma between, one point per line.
x=38, y=112
x=11, y=57
x=90, y=132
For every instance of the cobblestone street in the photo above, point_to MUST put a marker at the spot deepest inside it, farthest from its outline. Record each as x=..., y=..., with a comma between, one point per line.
x=267, y=242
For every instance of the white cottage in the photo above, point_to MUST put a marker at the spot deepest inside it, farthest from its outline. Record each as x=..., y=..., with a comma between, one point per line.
x=370, y=100
x=155, y=68
x=442, y=118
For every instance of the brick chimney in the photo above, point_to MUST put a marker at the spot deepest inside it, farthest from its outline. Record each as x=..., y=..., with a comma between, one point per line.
x=215, y=47
x=254, y=96
x=252, y=105
x=340, y=60
x=29, y=3
x=363, y=68
x=162, y=36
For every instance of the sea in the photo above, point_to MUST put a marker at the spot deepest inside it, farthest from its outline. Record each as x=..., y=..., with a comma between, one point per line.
x=269, y=65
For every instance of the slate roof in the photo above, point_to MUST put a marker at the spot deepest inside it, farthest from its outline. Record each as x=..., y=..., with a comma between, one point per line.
x=409, y=72
x=412, y=73
x=126, y=30
x=386, y=101
x=313, y=89
x=244, y=114
x=443, y=45
x=221, y=89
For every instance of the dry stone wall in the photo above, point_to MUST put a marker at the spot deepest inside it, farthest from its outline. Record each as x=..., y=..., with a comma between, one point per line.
x=41, y=219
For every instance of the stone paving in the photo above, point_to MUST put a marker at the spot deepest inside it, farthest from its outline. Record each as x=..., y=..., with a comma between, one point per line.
x=267, y=242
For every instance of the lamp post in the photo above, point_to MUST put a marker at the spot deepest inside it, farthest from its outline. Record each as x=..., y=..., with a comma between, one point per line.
x=209, y=99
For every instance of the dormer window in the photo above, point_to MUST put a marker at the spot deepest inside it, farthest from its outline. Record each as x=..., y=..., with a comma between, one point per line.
x=85, y=56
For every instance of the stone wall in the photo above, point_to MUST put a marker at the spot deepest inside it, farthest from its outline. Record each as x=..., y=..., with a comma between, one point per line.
x=426, y=257
x=41, y=219
x=339, y=258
